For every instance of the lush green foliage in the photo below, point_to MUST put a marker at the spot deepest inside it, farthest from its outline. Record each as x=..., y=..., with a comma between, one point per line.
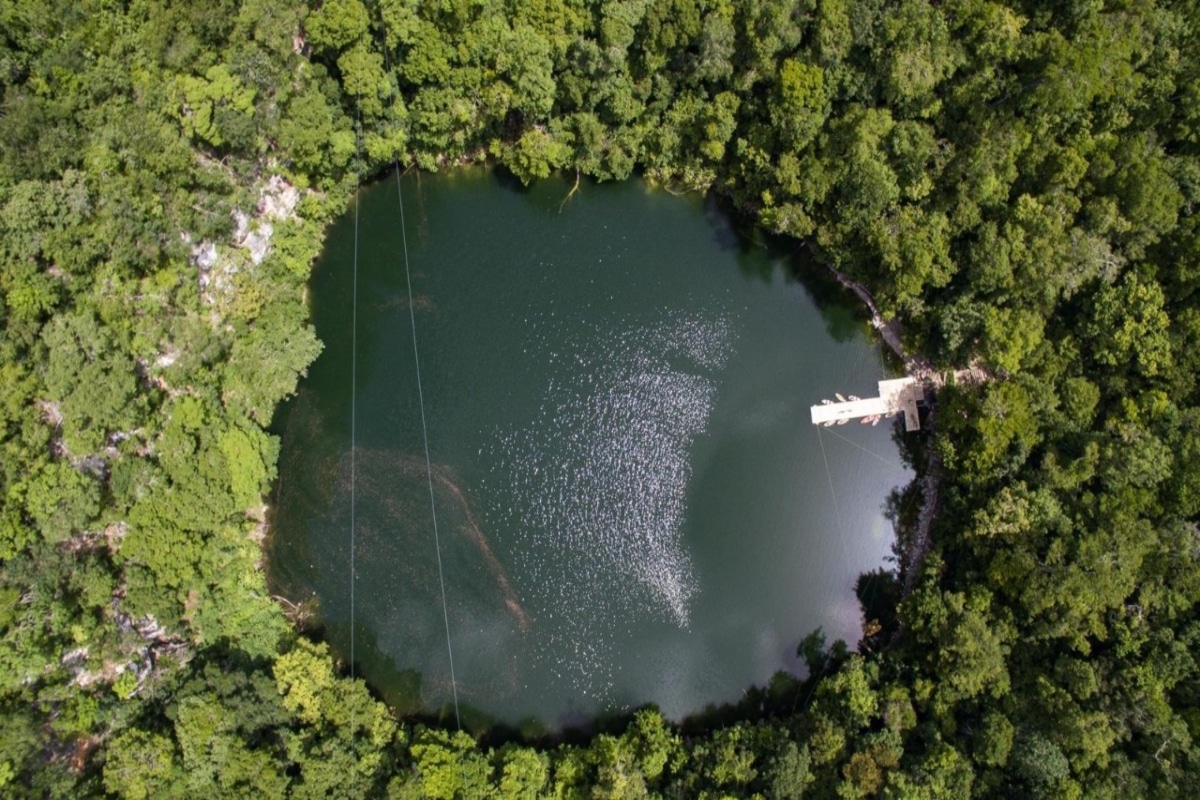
x=1016, y=182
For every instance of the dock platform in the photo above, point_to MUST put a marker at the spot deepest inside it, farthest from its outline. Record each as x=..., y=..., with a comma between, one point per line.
x=896, y=396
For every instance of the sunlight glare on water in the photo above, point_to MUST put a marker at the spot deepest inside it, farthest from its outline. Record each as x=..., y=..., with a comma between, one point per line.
x=596, y=484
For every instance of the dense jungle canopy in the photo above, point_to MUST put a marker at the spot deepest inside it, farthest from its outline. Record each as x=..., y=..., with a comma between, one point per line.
x=1016, y=182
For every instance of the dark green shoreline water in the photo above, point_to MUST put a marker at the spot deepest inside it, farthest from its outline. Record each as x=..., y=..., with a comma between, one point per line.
x=632, y=504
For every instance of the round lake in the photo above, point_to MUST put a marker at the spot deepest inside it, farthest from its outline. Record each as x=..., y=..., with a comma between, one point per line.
x=632, y=504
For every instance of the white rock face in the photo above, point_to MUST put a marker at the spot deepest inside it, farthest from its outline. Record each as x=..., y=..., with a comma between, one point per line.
x=258, y=242
x=243, y=226
x=204, y=255
x=167, y=359
x=252, y=232
x=278, y=199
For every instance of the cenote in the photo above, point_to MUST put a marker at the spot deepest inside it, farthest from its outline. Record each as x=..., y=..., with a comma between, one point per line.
x=633, y=506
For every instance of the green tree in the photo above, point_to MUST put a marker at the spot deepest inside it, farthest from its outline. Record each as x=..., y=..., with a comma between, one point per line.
x=449, y=766
x=248, y=452
x=89, y=379
x=917, y=57
x=314, y=134
x=995, y=739
x=789, y=774
x=215, y=107
x=336, y=24
x=363, y=78
x=524, y=773
x=1038, y=762
x=803, y=103
x=1128, y=326
x=265, y=364
x=344, y=730
x=142, y=765
x=538, y=153
x=61, y=500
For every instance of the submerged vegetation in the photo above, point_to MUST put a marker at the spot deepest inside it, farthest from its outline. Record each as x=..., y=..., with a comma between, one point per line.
x=1016, y=182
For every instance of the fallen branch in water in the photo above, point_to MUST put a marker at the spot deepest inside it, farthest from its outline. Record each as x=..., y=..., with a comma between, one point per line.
x=571, y=193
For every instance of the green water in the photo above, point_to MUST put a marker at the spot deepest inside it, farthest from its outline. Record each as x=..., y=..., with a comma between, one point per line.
x=632, y=504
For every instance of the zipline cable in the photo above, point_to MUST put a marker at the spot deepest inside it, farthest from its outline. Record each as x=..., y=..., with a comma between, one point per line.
x=437, y=541
x=354, y=392
x=816, y=679
x=841, y=534
x=868, y=451
x=837, y=514
x=412, y=319
x=866, y=588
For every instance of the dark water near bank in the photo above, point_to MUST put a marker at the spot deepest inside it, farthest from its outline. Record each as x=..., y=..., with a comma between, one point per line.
x=631, y=502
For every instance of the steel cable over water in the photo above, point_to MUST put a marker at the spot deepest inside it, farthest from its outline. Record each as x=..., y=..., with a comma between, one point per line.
x=868, y=451
x=412, y=318
x=841, y=533
x=437, y=541
x=354, y=392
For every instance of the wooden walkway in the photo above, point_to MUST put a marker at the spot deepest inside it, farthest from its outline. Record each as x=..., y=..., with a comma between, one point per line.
x=896, y=396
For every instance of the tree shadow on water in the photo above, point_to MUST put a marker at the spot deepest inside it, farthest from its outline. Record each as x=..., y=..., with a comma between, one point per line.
x=766, y=257
x=399, y=688
x=507, y=180
x=879, y=593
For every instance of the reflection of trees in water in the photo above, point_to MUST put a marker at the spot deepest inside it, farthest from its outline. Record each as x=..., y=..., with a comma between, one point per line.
x=308, y=474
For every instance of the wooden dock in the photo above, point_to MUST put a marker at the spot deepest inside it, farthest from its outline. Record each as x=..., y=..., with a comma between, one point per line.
x=896, y=396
